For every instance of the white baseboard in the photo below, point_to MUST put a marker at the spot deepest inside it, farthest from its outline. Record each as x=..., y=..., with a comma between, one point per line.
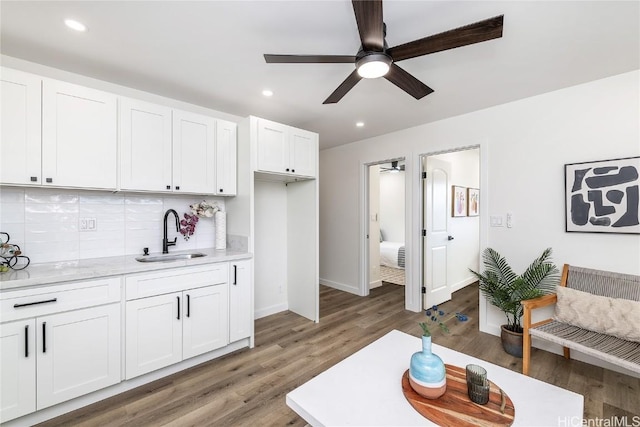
x=375, y=284
x=463, y=283
x=340, y=286
x=268, y=311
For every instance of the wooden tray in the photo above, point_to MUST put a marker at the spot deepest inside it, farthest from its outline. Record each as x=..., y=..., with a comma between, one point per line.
x=455, y=409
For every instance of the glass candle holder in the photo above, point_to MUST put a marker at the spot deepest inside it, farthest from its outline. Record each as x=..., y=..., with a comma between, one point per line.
x=477, y=384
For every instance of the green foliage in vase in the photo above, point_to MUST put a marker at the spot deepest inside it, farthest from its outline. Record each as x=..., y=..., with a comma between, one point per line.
x=505, y=289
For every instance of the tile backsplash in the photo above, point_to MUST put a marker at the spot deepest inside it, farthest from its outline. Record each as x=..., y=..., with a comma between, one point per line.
x=46, y=222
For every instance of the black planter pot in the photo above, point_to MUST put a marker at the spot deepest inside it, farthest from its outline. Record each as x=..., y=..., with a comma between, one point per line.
x=511, y=341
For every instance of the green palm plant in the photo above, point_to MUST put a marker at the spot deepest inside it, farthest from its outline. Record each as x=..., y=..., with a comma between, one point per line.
x=505, y=289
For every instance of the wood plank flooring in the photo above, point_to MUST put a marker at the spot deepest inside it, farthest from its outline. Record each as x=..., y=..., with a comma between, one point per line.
x=248, y=387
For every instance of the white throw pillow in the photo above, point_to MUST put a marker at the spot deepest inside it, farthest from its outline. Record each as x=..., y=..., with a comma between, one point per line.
x=611, y=316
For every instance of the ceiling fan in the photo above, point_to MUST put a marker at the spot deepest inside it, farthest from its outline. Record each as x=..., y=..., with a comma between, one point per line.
x=376, y=59
x=394, y=167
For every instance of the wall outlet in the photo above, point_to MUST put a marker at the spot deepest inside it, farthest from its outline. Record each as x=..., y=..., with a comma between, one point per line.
x=509, y=220
x=88, y=224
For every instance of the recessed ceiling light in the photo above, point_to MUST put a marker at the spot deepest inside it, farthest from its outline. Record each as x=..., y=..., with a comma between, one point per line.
x=267, y=92
x=75, y=25
x=360, y=124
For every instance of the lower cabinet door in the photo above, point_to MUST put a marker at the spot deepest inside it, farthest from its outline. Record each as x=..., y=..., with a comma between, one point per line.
x=240, y=306
x=205, y=324
x=17, y=369
x=153, y=333
x=77, y=353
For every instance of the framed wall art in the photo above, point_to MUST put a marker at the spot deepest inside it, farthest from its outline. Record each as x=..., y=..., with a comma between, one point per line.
x=459, y=201
x=603, y=196
x=473, y=201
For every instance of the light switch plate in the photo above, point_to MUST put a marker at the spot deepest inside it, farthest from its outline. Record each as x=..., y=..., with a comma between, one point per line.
x=88, y=224
x=496, y=221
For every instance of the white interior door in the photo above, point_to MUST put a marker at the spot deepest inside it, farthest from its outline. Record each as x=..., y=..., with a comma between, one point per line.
x=374, y=227
x=436, y=223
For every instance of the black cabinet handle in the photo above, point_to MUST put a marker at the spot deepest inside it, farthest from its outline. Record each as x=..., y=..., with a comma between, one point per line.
x=188, y=305
x=235, y=274
x=49, y=179
x=35, y=303
x=178, y=308
x=177, y=187
x=44, y=337
x=26, y=341
x=168, y=187
x=34, y=179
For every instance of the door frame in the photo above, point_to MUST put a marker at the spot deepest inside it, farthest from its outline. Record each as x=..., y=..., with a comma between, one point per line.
x=482, y=146
x=364, y=270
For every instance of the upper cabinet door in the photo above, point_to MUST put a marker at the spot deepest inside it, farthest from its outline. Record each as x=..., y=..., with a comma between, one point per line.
x=194, y=153
x=303, y=147
x=79, y=141
x=226, y=158
x=145, y=146
x=273, y=147
x=20, y=136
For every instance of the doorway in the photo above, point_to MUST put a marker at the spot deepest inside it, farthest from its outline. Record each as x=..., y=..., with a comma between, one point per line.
x=450, y=222
x=385, y=219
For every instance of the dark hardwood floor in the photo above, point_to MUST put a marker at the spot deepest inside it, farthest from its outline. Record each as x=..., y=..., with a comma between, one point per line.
x=248, y=387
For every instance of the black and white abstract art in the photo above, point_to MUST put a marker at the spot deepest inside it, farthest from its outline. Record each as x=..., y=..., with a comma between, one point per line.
x=603, y=196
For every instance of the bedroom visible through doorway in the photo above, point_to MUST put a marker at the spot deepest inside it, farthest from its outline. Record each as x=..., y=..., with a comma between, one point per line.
x=386, y=215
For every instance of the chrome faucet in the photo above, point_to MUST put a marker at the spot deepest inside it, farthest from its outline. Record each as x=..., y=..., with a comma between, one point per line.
x=165, y=242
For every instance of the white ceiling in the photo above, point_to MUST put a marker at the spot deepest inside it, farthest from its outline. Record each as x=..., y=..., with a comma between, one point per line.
x=210, y=53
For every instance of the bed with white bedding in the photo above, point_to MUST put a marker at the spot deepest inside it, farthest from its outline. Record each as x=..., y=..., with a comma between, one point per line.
x=392, y=254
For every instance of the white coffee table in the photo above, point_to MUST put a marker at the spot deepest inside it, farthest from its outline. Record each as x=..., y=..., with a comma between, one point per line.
x=365, y=390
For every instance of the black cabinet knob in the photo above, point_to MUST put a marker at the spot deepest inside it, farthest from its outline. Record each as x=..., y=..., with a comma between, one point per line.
x=168, y=187
x=49, y=179
x=177, y=187
x=221, y=191
x=34, y=179
x=287, y=169
x=293, y=170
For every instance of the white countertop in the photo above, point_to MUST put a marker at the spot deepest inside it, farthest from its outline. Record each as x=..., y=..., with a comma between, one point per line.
x=365, y=389
x=63, y=271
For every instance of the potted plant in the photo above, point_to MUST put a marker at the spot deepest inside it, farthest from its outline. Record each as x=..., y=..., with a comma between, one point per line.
x=505, y=289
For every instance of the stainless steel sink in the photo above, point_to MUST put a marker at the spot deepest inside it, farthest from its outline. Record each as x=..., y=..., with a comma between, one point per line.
x=169, y=257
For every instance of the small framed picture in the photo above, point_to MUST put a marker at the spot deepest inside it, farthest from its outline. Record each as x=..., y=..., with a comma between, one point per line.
x=603, y=196
x=473, y=201
x=459, y=201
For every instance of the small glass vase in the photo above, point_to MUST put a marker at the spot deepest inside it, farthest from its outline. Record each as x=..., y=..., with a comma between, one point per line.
x=427, y=374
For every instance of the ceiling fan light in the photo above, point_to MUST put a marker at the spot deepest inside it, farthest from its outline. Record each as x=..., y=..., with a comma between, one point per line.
x=373, y=66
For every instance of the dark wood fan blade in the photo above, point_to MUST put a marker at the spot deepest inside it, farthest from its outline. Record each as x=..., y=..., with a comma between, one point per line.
x=344, y=87
x=469, y=34
x=309, y=59
x=407, y=82
x=369, y=19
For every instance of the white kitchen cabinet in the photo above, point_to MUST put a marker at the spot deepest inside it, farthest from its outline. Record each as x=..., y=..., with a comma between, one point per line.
x=226, y=158
x=20, y=132
x=153, y=333
x=77, y=352
x=145, y=146
x=194, y=164
x=286, y=150
x=205, y=325
x=165, y=329
x=17, y=368
x=240, y=300
x=79, y=139
x=58, y=342
x=175, y=314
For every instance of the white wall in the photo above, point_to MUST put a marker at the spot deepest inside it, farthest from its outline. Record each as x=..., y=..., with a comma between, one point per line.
x=464, y=250
x=523, y=147
x=392, y=205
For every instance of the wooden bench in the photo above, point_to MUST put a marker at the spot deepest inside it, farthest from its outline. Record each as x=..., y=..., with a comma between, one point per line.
x=606, y=347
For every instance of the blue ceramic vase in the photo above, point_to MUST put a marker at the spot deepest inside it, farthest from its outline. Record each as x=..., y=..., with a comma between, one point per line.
x=427, y=374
